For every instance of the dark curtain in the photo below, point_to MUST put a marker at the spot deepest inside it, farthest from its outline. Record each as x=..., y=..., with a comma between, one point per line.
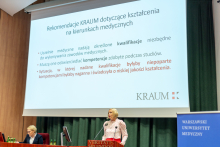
x=159, y=132
x=201, y=56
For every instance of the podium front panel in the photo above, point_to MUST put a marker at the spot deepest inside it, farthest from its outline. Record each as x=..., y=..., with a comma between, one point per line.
x=100, y=143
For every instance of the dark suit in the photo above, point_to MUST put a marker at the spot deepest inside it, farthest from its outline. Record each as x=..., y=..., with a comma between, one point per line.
x=37, y=140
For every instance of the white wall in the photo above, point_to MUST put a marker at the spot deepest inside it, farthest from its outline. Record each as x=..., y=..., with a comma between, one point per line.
x=216, y=15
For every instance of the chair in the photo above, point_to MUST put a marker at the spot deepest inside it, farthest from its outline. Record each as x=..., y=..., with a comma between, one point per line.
x=46, y=138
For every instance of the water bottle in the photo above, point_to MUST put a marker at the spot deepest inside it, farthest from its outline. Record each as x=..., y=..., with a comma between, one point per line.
x=51, y=142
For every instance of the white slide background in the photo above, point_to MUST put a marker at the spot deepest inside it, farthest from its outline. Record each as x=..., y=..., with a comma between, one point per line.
x=52, y=87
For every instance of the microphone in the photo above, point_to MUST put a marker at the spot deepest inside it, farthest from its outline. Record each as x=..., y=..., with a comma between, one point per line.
x=100, y=131
x=115, y=132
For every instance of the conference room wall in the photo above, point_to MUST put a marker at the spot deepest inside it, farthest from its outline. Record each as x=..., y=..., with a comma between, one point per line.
x=14, y=44
x=216, y=17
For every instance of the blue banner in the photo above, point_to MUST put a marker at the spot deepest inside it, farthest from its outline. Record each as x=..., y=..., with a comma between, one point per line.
x=198, y=130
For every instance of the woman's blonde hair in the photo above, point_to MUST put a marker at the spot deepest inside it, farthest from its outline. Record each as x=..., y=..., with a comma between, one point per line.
x=114, y=111
x=32, y=128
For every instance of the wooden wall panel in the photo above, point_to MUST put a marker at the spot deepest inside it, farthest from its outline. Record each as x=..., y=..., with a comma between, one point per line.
x=15, y=35
x=3, y=33
x=14, y=44
x=13, y=95
x=2, y=59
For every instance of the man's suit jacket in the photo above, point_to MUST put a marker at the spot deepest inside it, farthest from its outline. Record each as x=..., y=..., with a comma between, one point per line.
x=37, y=140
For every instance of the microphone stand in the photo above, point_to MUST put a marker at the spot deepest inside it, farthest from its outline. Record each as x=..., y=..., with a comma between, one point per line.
x=100, y=131
x=114, y=133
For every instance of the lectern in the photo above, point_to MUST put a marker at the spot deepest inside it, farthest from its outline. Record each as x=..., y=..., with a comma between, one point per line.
x=100, y=143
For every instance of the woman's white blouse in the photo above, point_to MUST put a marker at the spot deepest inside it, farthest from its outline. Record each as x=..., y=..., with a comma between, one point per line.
x=121, y=130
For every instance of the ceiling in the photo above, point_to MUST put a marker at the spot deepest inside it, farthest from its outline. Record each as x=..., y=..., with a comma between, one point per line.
x=13, y=6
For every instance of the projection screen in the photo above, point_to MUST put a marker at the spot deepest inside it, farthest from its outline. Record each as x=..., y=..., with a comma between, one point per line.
x=87, y=57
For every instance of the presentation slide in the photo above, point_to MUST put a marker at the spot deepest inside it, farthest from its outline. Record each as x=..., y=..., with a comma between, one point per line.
x=129, y=55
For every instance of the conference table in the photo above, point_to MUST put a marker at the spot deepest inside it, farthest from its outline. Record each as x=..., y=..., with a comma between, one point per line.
x=5, y=144
x=90, y=143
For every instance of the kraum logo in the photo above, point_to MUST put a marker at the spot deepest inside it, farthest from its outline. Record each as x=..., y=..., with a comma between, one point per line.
x=153, y=96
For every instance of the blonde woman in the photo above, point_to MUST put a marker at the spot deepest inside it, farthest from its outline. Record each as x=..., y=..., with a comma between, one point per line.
x=32, y=136
x=115, y=128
